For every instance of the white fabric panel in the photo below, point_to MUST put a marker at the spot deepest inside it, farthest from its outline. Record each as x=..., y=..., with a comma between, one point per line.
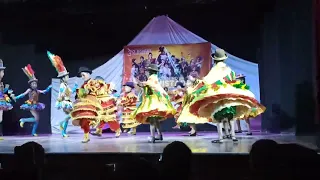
x=160, y=30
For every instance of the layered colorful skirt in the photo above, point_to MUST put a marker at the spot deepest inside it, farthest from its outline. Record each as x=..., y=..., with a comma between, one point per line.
x=109, y=109
x=128, y=120
x=231, y=100
x=153, y=104
x=86, y=108
x=65, y=105
x=189, y=118
x=4, y=103
x=29, y=105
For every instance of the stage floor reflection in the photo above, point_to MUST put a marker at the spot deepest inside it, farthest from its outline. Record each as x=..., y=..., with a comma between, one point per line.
x=138, y=144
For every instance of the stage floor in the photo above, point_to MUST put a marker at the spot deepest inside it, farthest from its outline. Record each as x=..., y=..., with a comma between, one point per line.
x=138, y=144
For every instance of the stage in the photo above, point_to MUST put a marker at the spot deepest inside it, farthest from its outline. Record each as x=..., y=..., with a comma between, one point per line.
x=201, y=144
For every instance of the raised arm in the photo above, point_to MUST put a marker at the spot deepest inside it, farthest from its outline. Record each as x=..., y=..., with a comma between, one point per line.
x=46, y=90
x=23, y=94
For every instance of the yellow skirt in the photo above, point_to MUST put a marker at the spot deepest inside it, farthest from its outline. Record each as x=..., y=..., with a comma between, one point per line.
x=154, y=106
x=215, y=99
x=187, y=117
x=128, y=121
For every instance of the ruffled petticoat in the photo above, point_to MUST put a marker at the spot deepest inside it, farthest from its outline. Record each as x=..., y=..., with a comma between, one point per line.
x=221, y=97
x=4, y=102
x=5, y=106
x=85, y=109
x=128, y=120
x=154, y=104
x=28, y=105
x=109, y=109
x=66, y=106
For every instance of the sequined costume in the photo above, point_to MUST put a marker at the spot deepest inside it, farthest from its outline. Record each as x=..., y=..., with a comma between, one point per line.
x=221, y=97
x=64, y=98
x=108, y=113
x=155, y=105
x=86, y=108
x=155, y=102
x=129, y=104
x=5, y=100
x=32, y=104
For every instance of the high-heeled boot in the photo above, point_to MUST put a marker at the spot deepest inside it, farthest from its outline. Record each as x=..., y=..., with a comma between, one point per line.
x=86, y=138
x=34, y=128
x=118, y=133
x=133, y=131
x=97, y=133
x=24, y=120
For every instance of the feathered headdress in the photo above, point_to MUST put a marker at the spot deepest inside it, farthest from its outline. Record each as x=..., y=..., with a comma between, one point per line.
x=30, y=73
x=58, y=64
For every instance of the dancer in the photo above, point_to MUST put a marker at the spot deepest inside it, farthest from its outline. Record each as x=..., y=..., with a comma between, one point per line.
x=223, y=98
x=5, y=100
x=86, y=108
x=186, y=116
x=128, y=102
x=241, y=78
x=155, y=105
x=177, y=97
x=32, y=104
x=108, y=115
x=64, y=97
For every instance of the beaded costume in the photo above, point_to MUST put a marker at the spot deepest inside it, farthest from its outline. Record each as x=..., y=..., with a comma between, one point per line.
x=221, y=97
x=64, y=98
x=108, y=114
x=129, y=104
x=155, y=105
x=86, y=107
x=32, y=104
x=5, y=93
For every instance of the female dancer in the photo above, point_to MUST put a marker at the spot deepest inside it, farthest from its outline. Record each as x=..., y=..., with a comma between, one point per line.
x=86, y=108
x=108, y=115
x=32, y=104
x=64, y=97
x=5, y=100
x=223, y=98
x=129, y=104
x=177, y=97
x=186, y=116
x=155, y=105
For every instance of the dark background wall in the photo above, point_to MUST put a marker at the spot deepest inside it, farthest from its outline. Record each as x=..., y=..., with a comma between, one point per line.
x=276, y=35
x=286, y=67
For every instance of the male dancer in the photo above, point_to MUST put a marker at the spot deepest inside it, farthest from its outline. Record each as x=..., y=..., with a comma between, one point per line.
x=86, y=107
x=108, y=114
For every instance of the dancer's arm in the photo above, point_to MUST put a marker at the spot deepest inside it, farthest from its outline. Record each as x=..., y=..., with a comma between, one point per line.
x=74, y=90
x=46, y=90
x=22, y=95
x=6, y=88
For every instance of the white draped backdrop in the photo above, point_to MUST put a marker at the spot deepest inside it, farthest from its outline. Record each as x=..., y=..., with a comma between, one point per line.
x=160, y=30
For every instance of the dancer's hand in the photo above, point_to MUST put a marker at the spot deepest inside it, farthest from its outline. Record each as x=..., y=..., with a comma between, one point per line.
x=6, y=86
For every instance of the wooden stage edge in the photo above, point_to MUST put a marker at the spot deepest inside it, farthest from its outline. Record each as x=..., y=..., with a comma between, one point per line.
x=128, y=144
